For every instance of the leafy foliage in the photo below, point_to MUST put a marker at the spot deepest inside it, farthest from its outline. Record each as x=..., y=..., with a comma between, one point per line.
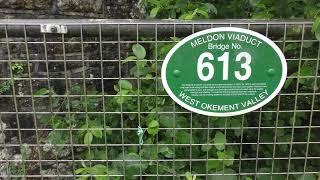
x=219, y=140
x=180, y=9
x=153, y=127
x=169, y=136
x=95, y=128
x=316, y=27
x=17, y=70
x=99, y=171
x=255, y=9
x=5, y=86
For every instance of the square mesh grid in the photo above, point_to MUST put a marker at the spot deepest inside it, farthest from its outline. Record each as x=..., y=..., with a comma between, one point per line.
x=63, y=116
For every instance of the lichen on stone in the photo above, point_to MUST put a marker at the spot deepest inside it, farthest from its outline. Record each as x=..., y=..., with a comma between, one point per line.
x=83, y=6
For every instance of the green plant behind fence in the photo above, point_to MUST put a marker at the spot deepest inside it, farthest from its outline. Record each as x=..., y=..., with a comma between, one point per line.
x=134, y=129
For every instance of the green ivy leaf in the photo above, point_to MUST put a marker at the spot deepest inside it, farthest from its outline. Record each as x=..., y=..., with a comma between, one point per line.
x=211, y=8
x=131, y=58
x=97, y=133
x=99, y=169
x=42, y=91
x=150, y=152
x=125, y=84
x=186, y=16
x=227, y=157
x=120, y=99
x=153, y=127
x=219, y=140
x=88, y=138
x=203, y=13
x=154, y=12
x=88, y=155
x=213, y=164
x=5, y=86
x=165, y=48
x=79, y=171
x=189, y=176
x=316, y=28
x=57, y=137
x=100, y=154
x=139, y=51
x=183, y=137
x=254, y=2
x=306, y=71
x=166, y=151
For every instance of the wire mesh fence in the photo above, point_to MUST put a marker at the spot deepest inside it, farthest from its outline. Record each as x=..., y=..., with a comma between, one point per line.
x=82, y=104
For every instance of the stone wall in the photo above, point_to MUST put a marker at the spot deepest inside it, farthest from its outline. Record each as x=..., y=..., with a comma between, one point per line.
x=110, y=9
x=51, y=9
x=41, y=9
x=37, y=9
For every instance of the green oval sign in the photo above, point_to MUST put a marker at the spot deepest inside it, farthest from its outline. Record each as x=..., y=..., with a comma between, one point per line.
x=224, y=71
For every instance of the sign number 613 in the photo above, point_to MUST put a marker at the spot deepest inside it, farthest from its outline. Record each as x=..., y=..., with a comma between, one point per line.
x=225, y=59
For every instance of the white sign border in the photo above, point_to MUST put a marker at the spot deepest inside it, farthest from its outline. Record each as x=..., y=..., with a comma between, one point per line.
x=222, y=29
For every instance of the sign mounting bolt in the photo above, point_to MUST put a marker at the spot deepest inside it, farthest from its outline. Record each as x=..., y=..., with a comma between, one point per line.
x=271, y=72
x=53, y=29
x=176, y=73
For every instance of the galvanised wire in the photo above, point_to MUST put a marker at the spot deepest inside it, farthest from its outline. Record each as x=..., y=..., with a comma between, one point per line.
x=16, y=32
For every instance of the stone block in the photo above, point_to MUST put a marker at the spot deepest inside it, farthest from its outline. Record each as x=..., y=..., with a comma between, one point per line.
x=81, y=6
x=25, y=4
